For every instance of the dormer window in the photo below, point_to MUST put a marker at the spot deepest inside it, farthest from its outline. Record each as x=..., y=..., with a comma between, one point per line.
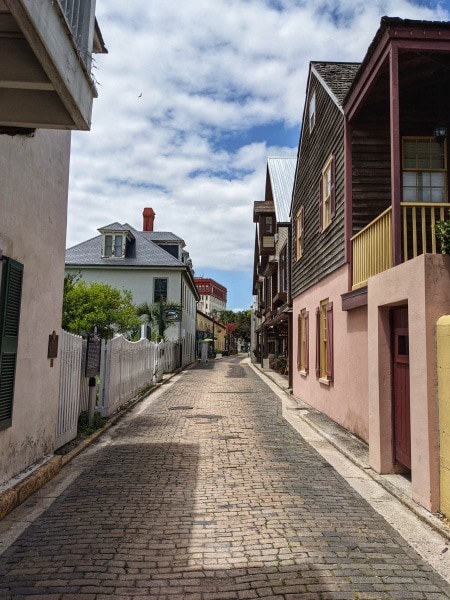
x=113, y=245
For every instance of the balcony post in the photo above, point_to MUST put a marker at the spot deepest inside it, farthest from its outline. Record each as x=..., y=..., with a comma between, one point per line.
x=396, y=167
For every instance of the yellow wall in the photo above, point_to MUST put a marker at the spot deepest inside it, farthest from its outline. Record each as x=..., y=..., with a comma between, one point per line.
x=443, y=367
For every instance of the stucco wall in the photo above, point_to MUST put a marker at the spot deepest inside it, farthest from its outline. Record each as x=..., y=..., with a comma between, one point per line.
x=138, y=281
x=424, y=285
x=33, y=205
x=346, y=399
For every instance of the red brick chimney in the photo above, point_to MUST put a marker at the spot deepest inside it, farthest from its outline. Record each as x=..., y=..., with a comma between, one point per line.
x=149, y=218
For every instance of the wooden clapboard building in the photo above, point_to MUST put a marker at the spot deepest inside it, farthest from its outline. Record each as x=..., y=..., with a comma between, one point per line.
x=368, y=280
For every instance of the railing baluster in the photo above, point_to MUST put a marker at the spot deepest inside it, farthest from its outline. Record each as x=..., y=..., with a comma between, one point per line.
x=423, y=218
x=433, y=233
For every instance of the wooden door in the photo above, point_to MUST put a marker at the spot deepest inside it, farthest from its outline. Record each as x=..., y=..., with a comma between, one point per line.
x=401, y=408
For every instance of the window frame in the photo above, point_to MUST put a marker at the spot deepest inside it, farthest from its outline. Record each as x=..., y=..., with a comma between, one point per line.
x=327, y=193
x=419, y=170
x=299, y=233
x=324, y=342
x=158, y=299
x=303, y=342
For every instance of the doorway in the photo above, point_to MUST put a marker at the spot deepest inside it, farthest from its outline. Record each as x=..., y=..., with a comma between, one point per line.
x=400, y=384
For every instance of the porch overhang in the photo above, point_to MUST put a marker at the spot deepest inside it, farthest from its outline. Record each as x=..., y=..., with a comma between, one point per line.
x=45, y=80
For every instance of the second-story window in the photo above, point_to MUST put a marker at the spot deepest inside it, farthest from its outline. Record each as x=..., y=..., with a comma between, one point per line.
x=299, y=235
x=159, y=290
x=424, y=170
x=269, y=226
x=327, y=200
x=283, y=270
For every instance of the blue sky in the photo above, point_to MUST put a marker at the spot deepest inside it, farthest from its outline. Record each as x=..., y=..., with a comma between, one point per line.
x=193, y=99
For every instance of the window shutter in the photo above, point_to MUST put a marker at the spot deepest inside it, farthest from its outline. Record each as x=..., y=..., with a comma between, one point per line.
x=307, y=341
x=320, y=203
x=333, y=187
x=317, y=342
x=10, y=299
x=329, y=311
x=299, y=341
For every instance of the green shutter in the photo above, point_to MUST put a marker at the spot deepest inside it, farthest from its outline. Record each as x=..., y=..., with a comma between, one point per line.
x=10, y=299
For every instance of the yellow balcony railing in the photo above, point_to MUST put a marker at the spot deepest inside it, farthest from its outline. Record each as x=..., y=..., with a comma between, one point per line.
x=418, y=220
x=372, y=249
x=372, y=246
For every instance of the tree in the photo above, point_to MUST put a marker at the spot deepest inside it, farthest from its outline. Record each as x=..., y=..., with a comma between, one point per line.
x=237, y=324
x=86, y=305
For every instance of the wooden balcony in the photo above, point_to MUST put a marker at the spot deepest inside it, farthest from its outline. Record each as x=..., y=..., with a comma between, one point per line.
x=45, y=63
x=372, y=246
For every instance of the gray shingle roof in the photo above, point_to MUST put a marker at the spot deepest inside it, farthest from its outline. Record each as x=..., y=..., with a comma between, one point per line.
x=281, y=172
x=142, y=251
x=114, y=227
x=338, y=77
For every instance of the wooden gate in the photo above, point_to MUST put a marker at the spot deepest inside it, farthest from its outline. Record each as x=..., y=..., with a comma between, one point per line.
x=401, y=407
x=69, y=388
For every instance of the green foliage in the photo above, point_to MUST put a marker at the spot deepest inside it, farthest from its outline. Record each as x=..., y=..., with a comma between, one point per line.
x=240, y=319
x=88, y=304
x=442, y=229
x=84, y=429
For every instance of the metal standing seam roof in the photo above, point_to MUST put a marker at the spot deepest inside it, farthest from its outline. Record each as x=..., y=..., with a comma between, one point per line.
x=282, y=173
x=142, y=252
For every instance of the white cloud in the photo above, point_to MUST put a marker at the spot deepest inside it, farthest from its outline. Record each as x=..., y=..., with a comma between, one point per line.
x=181, y=83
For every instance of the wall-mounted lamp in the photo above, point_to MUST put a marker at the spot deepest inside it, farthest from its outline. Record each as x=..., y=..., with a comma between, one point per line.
x=440, y=133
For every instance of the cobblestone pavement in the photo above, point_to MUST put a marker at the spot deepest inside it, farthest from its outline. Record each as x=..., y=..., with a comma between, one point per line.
x=206, y=492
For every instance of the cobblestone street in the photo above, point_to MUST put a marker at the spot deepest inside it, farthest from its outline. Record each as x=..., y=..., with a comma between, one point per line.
x=204, y=491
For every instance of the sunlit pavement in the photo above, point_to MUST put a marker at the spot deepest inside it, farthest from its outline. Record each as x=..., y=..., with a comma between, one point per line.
x=205, y=491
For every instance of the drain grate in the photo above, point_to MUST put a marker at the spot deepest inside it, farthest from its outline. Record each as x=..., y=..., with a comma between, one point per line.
x=181, y=407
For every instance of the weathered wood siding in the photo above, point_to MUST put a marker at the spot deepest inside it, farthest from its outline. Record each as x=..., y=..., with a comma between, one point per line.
x=323, y=251
x=371, y=167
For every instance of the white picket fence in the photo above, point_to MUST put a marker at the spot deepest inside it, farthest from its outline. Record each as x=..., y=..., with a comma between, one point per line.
x=70, y=356
x=125, y=368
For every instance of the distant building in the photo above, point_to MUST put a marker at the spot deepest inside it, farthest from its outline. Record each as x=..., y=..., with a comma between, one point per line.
x=153, y=265
x=213, y=295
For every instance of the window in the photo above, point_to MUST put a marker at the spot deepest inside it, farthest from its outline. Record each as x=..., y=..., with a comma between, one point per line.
x=283, y=269
x=324, y=341
x=113, y=245
x=269, y=226
x=108, y=245
x=303, y=342
x=327, y=201
x=11, y=275
x=312, y=112
x=299, y=224
x=118, y=242
x=424, y=170
x=159, y=290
